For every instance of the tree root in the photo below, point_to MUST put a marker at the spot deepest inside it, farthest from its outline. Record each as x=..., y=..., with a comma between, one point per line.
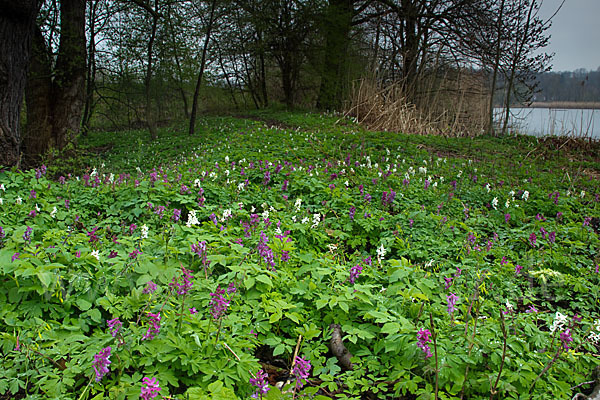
x=595, y=395
x=336, y=346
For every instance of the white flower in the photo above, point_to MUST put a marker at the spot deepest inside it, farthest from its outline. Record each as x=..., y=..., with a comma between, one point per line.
x=252, y=209
x=37, y=208
x=53, y=212
x=294, y=218
x=298, y=203
x=381, y=252
x=226, y=214
x=197, y=183
x=559, y=321
x=582, y=194
x=423, y=170
x=305, y=220
x=111, y=178
x=507, y=204
x=278, y=231
x=509, y=307
x=1, y=201
x=459, y=174
x=597, y=325
x=332, y=247
x=594, y=338
x=316, y=220
x=19, y=200
x=138, y=170
x=488, y=187
x=265, y=214
x=347, y=183
x=495, y=203
x=525, y=195
x=241, y=187
x=192, y=220
x=2, y=187
x=96, y=253
x=227, y=159
x=144, y=234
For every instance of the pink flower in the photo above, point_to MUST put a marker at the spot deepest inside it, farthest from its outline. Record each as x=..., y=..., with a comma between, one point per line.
x=101, y=363
x=150, y=388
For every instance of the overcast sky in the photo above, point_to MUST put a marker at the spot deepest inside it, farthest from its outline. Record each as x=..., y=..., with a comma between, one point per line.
x=575, y=34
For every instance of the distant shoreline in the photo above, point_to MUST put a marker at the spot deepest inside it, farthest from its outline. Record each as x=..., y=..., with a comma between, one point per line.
x=563, y=104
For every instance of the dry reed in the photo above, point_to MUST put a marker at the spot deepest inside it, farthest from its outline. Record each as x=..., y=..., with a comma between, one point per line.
x=450, y=106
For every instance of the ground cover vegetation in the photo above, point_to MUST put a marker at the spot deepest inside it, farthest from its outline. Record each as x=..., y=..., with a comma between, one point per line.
x=289, y=255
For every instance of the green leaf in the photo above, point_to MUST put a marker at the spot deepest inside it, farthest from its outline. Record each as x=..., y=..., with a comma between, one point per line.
x=265, y=279
x=83, y=304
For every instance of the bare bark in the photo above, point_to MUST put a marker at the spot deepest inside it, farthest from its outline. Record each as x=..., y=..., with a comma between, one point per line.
x=17, y=20
x=337, y=348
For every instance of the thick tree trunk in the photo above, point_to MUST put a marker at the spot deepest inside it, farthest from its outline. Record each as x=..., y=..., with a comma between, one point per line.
x=69, y=80
x=338, y=22
x=17, y=19
x=38, y=97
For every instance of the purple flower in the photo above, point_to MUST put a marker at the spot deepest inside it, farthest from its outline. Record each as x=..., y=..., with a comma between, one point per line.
x=101, y=363
x=531, y=309
x=27, y=234
x=566, y=338
x=15, y=257
x=150, y=288
x=184, y=283
x=32, y=194
x=506, y=218
x=150, y=388
x=424, y=337
x=351, y=212
x=452, y=298
x=133, y=255
x=301, y=371
x=586, y=221
x=193, y=310
x=448, y=282
x=355, y=272
x=2, y=233
x=154, y=328
x=518, y=269
x=261, y=384
x=114, y=325
x=218, y=304
x=176, y=215
x=265, y=251
x=532, y=239
x=231, y=288
x=504, y=261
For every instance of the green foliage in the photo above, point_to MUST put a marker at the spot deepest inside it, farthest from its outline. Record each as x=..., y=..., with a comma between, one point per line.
x=293, y=242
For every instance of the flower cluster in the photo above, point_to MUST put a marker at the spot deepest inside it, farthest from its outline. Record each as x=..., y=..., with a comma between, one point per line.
x=114, y=325
x=424, y=337
x=261, y=384
x=301, y=371
x=264, y=251
x=218, y=304
x=154, y=328
x=183, y=284
x=452, y=298
x=150, y=388
x=101, y=363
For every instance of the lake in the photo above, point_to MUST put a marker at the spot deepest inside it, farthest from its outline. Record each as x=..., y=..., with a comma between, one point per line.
x=555, y=121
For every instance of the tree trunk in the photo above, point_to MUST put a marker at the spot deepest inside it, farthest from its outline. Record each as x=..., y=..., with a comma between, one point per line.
x=17, y=20
x=202, y=65
x=90, y=80
x=150, y=120
x=69, y=81
x=338, y=22
x=496, y=67
x=38, y=136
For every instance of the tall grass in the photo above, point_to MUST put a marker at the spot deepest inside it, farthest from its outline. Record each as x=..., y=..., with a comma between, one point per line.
x=452, y=104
